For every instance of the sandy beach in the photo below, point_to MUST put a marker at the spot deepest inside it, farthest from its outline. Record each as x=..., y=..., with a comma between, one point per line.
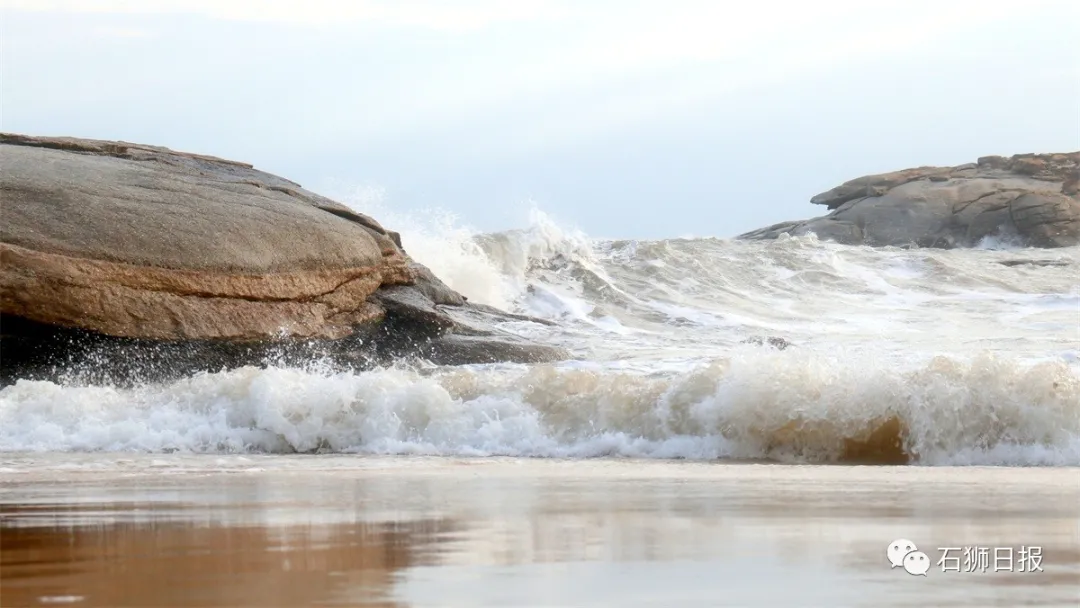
x=172, y=530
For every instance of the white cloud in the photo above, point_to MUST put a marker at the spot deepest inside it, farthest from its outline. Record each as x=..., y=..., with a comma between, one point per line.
x=728, y=48
x=122, y=33
x=584, y=67
x=430, y=14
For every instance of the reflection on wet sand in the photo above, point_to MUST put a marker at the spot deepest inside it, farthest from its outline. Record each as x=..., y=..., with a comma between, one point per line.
x=188, y=563
x=395, y=532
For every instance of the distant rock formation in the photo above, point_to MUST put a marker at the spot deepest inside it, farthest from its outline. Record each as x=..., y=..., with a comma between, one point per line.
x=146, y=254
x=1031, y=198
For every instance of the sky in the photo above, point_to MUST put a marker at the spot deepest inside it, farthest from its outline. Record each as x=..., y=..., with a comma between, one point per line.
x=625, y=119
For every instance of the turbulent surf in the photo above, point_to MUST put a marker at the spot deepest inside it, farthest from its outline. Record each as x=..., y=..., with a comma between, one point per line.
x=887, y=355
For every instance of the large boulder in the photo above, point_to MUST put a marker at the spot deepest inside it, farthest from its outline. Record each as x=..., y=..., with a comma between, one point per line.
x=140, y=247
x=1030, y=198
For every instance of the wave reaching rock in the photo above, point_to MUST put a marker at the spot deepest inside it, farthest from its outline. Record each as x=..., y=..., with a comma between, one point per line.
x=141, y=248
x=1033, y=199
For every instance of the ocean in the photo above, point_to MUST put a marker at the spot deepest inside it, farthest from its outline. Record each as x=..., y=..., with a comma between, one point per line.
x=965, y=357
x=677, y=438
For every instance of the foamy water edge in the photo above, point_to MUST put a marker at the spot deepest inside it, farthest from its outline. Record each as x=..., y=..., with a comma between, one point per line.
x=929, y=356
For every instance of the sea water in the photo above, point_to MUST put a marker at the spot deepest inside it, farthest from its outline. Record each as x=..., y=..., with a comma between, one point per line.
x=931, y=359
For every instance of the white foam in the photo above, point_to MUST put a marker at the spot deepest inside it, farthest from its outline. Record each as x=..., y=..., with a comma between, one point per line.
x=759, y=403
x=494, y=269
x=664, y=321
x=1001, y=242
x=439, y=240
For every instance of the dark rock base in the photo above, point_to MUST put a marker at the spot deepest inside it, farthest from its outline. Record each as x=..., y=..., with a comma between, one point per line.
x=35, y=351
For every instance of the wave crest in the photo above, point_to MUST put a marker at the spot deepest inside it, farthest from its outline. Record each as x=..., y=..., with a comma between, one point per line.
x=757, y=404
x=926, y=356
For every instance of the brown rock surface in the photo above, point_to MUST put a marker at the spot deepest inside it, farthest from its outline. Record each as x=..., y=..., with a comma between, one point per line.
x=1032, y=198
x=137, y=242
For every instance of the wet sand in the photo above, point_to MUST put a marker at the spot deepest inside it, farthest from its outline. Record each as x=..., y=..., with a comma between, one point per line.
x=141, y=530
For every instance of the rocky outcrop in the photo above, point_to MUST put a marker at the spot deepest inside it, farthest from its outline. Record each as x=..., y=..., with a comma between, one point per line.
x=132, y=248
x=1031, y=198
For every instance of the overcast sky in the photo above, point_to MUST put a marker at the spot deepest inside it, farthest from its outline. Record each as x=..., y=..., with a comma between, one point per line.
x=630, y=118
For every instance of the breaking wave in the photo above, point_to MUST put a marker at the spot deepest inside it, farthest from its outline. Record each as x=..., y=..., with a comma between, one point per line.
x=758, y=403
x=960, y=357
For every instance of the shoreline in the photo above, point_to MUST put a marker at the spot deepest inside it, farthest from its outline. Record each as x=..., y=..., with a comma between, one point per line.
x=46, y=465
x=185, y=530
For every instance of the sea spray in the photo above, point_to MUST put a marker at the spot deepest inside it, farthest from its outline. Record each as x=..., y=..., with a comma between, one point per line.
x=898, y=355
x=788, y=406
